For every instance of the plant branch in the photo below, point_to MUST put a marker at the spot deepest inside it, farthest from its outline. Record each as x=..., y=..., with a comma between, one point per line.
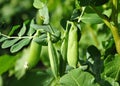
x=113, y=28
x=83, y=9
x=20, y=37
x=115, y=11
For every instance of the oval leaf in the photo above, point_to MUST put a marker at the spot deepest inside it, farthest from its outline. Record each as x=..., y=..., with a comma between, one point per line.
x=22, y=31
x=91, y=18
x=38, y=4
x=77, y=77
x=9, y=43
x=13, y=29
x=19, y=45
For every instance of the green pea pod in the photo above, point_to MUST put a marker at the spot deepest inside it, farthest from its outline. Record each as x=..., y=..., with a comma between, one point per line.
x=72, y=52
x=64, y=46
x=52, y=57
x=63, y=49
x=35, y=50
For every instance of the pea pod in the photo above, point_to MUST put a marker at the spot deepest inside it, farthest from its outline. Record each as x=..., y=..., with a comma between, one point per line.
x=52, y=57
x=72, y=52
x=64, y=47
x=35, y=50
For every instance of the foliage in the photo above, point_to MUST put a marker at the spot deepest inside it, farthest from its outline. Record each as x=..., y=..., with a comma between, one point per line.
x=64, y=43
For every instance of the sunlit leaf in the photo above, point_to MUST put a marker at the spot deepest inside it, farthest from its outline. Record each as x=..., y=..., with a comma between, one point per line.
x=31, y=29
x=3, y=39
x=91, y=19
x=77, y=77
x=39, y=4
x=9, y=43
x=43, y=13
x=16, y=47
x=22, y=31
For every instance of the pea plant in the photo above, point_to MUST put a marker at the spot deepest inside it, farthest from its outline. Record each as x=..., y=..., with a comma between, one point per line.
x=72, y=59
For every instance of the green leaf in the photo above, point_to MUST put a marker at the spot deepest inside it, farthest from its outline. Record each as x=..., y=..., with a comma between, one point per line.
x=41, y=27
x=77, y=77
x=112, y=67
x=91, y=18
x=9, y=43
x=112, y=81
x=22, y=31
x=39, y=3
x=43, y=13
x=3, y=39
x=13, y=29
x=16, y=47
x=6, y=62
x=76, y=13
x=42, y=39
x=31, y=30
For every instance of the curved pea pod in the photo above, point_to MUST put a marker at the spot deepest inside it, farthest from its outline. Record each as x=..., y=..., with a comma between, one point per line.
x=35, y=50
x=72, y=52
x=52, y=57
x=64, y=47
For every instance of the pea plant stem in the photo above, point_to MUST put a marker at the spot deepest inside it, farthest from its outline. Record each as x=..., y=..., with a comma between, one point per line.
x=113, y=27
x=115, y=11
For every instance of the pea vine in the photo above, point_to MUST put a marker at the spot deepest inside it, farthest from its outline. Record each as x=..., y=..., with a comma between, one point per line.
x=70, y=64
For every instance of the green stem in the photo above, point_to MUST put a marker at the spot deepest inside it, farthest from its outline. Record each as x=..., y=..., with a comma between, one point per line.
x=83, y=9
x=113, y=28
x=115, y=11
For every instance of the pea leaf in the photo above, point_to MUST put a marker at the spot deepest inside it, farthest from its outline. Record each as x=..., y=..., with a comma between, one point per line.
x=91, y=18
x=13, y=29
x=112, y=67
x=77, y=77
x=6, y=62
x=9, y=43
x=31, y=30
x=16, y=47
x=111, y=81
x=3, y=39
x=43, y=13
x=22, y=31
x=41, y=27
x=42, y=39
x=39, y=3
